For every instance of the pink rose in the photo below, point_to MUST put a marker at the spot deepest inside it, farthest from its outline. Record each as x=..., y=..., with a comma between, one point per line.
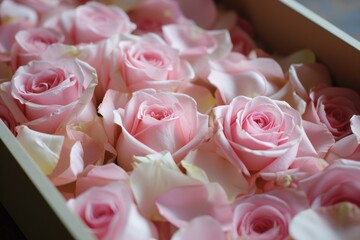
x=339, y=182
x=110, y=213
x=30, y=44
x=91, y=22
x=348, y=147
x=148, y=62
x=46, y=94
x=8, y=32
x=258, y=134
x=153, y=121
x=333, y=107
x=268, y=215
x=151, y=15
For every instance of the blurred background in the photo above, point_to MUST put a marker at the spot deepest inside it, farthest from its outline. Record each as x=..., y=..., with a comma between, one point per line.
x=344, y=14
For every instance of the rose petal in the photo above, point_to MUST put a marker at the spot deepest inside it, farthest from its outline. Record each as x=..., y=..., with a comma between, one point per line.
x=340, y=221
x=44, y=148
x=200, y=228
x=152, y=178
x=183, y=203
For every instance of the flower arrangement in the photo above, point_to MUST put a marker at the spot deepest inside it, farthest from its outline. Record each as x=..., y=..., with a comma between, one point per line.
x=164, y=119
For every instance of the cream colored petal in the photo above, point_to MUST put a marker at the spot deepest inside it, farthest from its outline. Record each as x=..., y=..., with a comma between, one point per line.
x=43, y=148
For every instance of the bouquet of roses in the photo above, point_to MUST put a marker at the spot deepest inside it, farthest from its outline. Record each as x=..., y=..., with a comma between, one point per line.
x=165, y=119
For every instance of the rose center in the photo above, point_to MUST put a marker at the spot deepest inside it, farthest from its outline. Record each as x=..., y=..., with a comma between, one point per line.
x=262, y=121
x=263, y=225
x=46, y=80
x=99, y=214
x=159, y=114
x=153, y=59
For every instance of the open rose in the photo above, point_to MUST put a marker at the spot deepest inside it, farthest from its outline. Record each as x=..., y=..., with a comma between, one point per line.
x=335, y=203
x=153, y=121
x=339, y=182
x=31, y=43
x=268, y=215
x=333, y=107
x=258, y=134
x=90, y=22
x=148, y=62
x=110, y=213
x=348, y=147
x=44, y=94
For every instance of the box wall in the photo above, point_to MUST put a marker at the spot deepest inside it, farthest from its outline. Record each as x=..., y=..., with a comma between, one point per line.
x=286, y=26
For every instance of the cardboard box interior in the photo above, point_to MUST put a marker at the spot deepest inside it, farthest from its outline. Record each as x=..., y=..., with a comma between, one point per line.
x=284, y=26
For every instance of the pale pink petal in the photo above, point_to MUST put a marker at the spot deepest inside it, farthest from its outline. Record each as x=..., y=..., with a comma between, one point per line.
x=70, y=164
x=304, y=76
x=214, y=166
x=153, y=177
x=99, y=176
x=200, y=228
x=202, y=95
x=319, y=136
x=183, y=203
x=111, y=101
x=250, y=84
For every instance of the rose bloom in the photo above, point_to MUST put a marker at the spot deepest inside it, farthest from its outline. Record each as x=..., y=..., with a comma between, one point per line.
x=348, y=147
x=148, y=62
x=90, y=22
x=30, y=43
x=153, y=121
x=333, y=107
x=258, y=134
x=111, y=213
x=268, y=215
x=13, y=18
x=44, y=94
x=339, y=182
